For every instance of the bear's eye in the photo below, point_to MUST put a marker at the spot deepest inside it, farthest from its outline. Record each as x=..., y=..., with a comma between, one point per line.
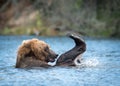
x=46, y=49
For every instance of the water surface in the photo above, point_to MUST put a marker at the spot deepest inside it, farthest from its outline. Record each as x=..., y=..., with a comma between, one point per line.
x=100, y=66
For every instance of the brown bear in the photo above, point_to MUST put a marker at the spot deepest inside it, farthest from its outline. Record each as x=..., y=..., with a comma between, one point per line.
x=34, y=53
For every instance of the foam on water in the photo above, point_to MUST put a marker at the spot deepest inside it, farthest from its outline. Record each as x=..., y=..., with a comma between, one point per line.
x=92, y=62
x=89, y=62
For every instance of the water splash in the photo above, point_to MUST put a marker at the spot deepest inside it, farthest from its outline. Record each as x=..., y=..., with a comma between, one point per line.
x=92, y=62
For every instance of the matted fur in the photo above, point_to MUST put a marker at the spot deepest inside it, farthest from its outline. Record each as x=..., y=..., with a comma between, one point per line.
x=33, y=49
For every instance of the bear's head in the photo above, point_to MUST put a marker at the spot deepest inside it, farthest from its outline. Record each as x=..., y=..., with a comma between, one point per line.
x=37, y=49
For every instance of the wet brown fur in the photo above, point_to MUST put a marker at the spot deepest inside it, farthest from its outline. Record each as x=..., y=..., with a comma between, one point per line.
x=33, y=53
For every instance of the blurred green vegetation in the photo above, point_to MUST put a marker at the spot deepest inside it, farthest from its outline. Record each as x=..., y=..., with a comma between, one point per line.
x=97, y=18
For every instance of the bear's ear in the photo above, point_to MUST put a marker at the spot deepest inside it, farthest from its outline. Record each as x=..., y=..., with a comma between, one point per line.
x=26, y=43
